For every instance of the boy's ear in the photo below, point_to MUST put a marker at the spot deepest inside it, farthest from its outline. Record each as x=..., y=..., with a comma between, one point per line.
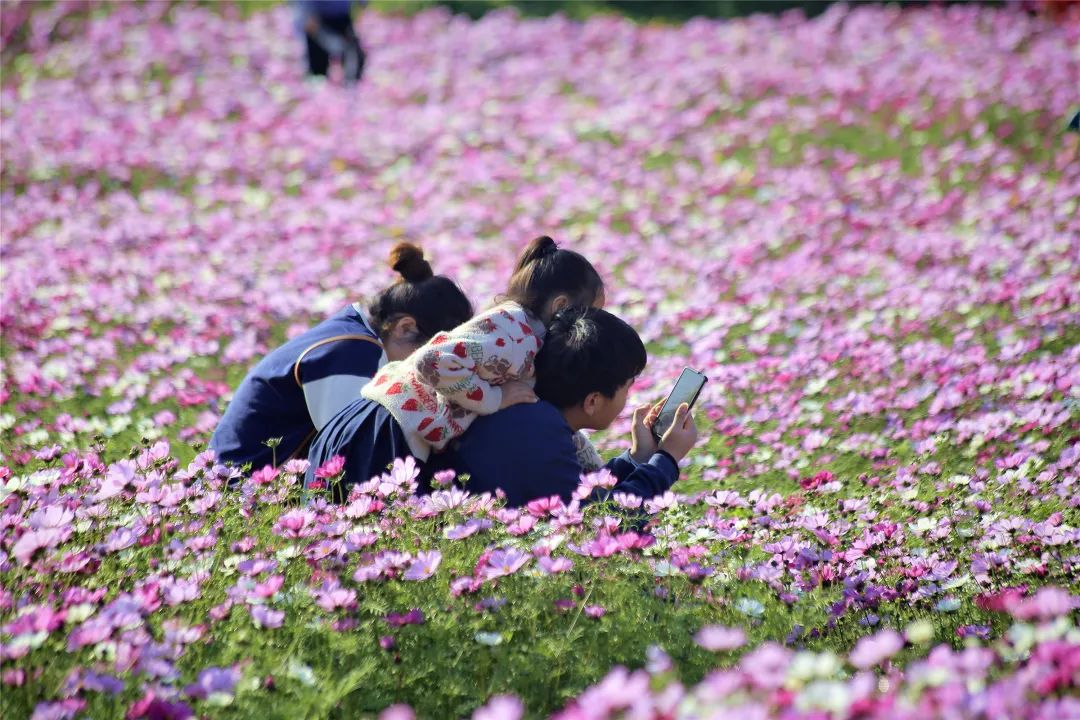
x=590, y=404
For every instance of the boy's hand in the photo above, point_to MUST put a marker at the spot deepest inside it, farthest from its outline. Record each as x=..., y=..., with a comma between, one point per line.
x=515, y=392
x=682, y=434
x=642, y=442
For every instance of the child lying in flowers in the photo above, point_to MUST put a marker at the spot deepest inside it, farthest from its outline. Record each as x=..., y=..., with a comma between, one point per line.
x=589, y=361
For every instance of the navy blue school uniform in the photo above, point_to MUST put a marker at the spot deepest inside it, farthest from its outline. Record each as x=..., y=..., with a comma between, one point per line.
x=366, y=435
x=296, y=389
x=528, y=452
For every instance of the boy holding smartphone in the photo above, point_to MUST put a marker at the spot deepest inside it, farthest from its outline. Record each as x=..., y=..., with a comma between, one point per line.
x=583, y=374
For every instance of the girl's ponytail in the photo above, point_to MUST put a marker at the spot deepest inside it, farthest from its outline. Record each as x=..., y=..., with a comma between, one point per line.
x=434, y=301
x=537, y=249
x=544, y=271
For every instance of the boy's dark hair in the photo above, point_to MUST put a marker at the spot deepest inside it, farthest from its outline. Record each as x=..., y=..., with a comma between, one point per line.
x=434, y=301
x=586, y=350
x=544, y=272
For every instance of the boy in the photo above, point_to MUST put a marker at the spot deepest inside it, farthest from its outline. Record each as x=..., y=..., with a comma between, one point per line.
x=584, y=370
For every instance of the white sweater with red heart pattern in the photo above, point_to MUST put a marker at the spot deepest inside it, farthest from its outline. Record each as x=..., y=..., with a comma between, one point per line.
x=438, y=391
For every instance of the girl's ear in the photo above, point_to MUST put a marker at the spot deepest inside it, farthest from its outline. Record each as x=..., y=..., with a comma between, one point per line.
x=560, y=302
x=404, y=328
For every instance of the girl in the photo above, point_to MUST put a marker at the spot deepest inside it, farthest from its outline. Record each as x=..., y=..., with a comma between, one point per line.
x=297, y=388
x=419, y=405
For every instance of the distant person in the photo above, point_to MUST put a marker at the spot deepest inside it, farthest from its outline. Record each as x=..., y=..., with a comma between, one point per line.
x=329, y=34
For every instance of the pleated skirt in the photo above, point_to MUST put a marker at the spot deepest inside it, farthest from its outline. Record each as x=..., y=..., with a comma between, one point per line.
x=366, y=435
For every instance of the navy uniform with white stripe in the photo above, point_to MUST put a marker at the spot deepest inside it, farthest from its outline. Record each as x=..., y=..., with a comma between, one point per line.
x=297, y=388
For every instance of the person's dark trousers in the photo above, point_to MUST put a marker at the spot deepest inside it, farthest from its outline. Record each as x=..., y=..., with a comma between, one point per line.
x=341, y=30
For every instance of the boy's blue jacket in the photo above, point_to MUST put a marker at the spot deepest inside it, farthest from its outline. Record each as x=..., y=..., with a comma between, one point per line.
x=528, y=451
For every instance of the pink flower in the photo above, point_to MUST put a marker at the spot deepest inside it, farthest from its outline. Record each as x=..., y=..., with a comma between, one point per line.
x=332, y=596
x=718, y=638
x=32, y=541
x=331, y=468
x=501, y=707
x=876, y=649
x=627, y=500
x=470, y=527
x=602, y=546
x=398, y=712
x=60, y=710
x=295, y=524
x=264, y=475
x=619, y=690
x=268, y=587
x=120, y=476
x=53, y=517
x=504, y=562
x=463, y=585
x=521, y=526
x=602, y=478
x=553, y=566
x=423, y=566
x=1048, y=603
x=363, y=506
x=266, y=617
x=542, y=507
x=767, y=665
x=661, y=502
x=595, y=611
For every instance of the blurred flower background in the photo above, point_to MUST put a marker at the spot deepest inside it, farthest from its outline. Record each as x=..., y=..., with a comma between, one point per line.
x=859, y=221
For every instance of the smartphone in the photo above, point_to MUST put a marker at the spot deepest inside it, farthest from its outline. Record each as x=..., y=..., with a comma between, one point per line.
x=686, y=390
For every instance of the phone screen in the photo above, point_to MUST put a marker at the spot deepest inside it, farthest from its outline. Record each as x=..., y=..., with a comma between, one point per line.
x=686, y=390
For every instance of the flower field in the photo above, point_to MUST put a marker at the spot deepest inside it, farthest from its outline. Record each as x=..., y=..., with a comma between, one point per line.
x=864, y=228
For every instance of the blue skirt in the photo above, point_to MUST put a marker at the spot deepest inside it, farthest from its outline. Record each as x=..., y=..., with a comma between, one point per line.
x=366, y=435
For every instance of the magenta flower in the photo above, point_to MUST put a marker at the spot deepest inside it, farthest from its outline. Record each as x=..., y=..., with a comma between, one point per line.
x=155, y=708
x=412, y=617
x=331, y=468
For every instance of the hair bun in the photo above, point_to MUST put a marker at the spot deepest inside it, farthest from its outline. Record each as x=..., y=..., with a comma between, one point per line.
x=408, y=260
